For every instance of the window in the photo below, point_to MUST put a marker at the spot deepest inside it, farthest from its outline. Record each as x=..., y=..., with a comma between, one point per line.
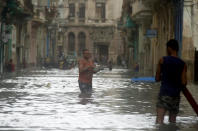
x=82, y=10
x=100, y=11
x=72, y=10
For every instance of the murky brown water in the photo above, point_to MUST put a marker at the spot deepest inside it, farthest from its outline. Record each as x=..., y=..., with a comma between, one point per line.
x=50, y=101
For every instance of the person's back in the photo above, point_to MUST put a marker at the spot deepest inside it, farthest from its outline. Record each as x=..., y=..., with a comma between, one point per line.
x=171, y=71
x=10, y=66
x=172, y=68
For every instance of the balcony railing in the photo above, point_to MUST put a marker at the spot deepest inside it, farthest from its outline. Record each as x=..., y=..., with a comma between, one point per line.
x=39, y=16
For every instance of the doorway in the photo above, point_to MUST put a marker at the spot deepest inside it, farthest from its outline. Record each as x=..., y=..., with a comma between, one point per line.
x=103, y=52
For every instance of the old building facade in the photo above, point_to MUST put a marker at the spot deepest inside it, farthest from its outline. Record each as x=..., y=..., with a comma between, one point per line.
x=14, y=18
x=45, y=30
x=90, y=24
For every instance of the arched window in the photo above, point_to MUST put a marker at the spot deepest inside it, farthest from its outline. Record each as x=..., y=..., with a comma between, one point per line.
x=71, y=41
x=82, y=42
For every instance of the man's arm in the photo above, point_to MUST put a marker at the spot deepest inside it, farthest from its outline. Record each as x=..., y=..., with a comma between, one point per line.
x=184, y=76
x=158, y=72
x=94, y=67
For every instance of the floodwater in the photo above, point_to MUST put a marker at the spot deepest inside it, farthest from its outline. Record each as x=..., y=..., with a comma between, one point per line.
x=50, y=100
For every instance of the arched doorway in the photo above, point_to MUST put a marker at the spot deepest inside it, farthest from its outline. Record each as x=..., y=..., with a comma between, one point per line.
x=81, y=43
x=71, y=41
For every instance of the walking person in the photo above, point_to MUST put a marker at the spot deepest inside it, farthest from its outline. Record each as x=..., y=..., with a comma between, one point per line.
x=136, y=69
x=110, y=65
x=86, y=71
x=171, y=71
x=10, y=66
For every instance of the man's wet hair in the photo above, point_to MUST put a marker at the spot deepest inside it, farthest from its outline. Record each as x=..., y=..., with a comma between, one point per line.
x=84, y=50
x=173, y=44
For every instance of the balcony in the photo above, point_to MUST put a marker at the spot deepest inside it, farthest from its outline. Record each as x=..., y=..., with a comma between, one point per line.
x=50, y=13
x=39, y=16
x=14, y=12
x=141, y=9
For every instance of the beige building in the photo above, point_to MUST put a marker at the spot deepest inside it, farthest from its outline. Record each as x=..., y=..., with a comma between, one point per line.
x=89, y=24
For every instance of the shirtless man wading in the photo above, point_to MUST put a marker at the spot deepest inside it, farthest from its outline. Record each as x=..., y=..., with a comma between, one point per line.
x=86, y=70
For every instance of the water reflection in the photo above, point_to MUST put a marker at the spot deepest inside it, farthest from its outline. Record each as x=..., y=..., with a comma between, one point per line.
x=85, y=98
x=167, y=127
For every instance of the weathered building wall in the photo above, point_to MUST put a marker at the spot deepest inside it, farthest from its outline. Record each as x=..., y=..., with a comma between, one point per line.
x=41, y=45
x=195, y=23
x=142, y=15
x=195, y=37
x=21, y=42
x=33, y=44
x=27, y=58
x=116, y=47
x=188, y=49
x=163, y=22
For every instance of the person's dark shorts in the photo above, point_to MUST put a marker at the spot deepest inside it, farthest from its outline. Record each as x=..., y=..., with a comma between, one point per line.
x=169, y=103
x=85, y=87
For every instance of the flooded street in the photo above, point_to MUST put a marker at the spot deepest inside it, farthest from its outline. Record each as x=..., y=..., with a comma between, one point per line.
x=50, y=100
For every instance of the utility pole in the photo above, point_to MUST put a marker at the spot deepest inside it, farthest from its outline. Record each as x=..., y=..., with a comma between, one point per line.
x=179, y=8
x=48, y=4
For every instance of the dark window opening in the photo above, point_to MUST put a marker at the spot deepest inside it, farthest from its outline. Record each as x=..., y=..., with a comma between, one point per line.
x=71, y=42
x=103, y=53
x=71, y=10
x=81, y=12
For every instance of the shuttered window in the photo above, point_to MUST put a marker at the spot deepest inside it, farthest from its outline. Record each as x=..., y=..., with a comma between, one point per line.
x=82, y=10
x=72, y=10
x=100, y=11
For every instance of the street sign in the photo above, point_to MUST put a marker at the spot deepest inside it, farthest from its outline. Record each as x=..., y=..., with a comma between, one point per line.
x=151, y=33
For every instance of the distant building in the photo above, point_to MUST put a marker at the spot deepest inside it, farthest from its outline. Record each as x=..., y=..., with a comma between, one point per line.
x=89, y=24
